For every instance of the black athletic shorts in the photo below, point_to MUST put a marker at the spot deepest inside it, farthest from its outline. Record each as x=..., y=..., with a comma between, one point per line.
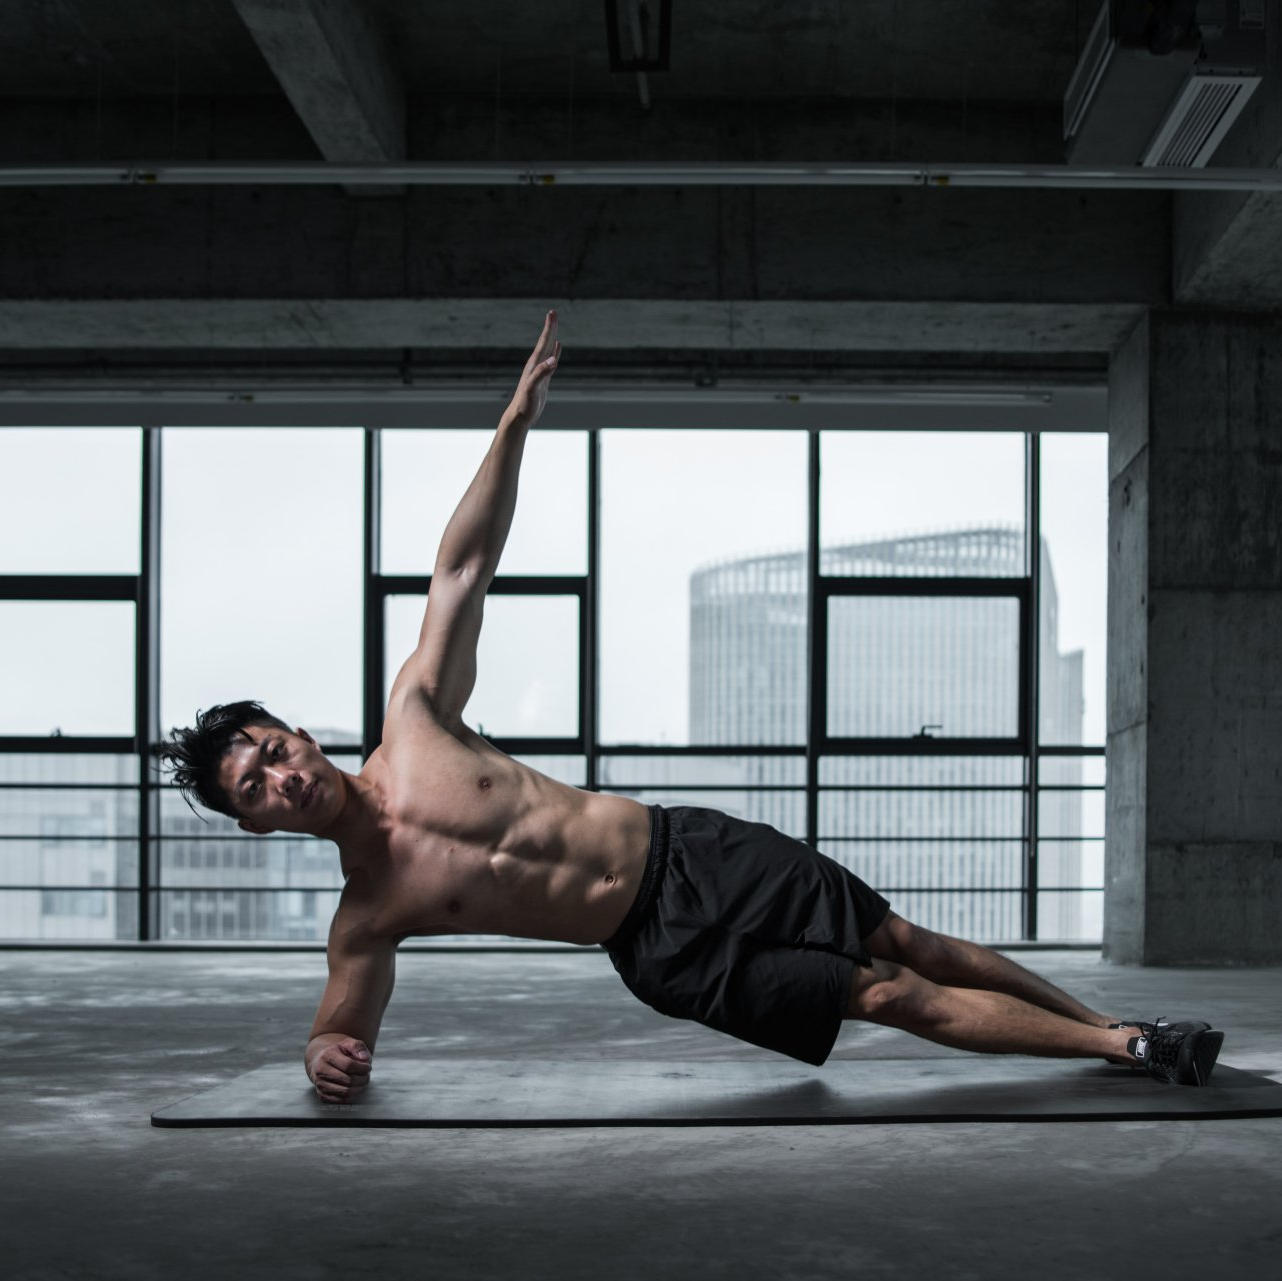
x=745, y=930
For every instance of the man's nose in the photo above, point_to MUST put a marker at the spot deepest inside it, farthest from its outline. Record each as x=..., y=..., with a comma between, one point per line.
x=286, y=780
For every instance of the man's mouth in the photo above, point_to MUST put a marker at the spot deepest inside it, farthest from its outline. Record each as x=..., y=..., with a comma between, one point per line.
x=308, y=792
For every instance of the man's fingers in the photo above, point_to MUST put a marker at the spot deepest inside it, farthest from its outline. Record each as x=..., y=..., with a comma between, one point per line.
x=331, y=1076
x=546, y=343
x=545, y=368
x=346, y=1073
x=334, y=1093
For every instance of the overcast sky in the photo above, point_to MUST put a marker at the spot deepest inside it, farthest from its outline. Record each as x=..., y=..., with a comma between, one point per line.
x=261, y=563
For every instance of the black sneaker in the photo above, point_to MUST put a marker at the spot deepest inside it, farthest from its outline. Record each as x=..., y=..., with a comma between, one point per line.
x=1145, y=1029
x=1178, y=1053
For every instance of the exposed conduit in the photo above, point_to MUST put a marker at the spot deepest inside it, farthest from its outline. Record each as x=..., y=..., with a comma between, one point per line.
x=413, y=174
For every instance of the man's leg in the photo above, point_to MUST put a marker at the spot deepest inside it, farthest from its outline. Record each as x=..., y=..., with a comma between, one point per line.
x=955, y=963
x=974, y=1019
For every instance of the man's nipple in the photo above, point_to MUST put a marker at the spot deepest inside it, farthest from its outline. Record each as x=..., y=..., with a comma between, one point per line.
x=483, y=784
x=454, y=907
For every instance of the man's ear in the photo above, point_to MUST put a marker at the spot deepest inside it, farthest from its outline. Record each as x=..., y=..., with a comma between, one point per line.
x=302, y=733
x=248, y=825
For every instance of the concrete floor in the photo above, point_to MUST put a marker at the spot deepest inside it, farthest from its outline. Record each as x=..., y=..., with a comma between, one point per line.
x=94, y=1041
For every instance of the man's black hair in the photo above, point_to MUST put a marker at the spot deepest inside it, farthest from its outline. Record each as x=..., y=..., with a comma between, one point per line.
x=194, y=755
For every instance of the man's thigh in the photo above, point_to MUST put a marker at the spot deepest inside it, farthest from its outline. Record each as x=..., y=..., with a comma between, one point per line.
x=901, y=942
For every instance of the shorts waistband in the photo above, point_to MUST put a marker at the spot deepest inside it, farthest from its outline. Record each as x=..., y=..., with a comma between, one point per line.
x=651, y=879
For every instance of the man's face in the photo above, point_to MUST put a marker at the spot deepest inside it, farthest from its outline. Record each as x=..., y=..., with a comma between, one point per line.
x=281, y=782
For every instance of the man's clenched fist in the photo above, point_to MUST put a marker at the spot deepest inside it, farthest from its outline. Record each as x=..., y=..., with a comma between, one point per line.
x=340, y=1072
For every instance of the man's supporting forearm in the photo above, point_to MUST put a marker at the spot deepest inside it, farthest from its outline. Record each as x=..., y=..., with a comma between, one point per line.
x=478, y=530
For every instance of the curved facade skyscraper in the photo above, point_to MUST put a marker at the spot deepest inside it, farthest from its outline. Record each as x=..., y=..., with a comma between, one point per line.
x=898, y=666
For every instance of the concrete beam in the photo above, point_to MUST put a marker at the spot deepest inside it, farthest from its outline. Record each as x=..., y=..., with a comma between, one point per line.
x=1227, y=248
x=333, y=64
x=871, y=245
x=335, y=324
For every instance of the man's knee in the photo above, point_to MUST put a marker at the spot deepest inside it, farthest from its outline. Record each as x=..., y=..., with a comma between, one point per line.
x=879, y=991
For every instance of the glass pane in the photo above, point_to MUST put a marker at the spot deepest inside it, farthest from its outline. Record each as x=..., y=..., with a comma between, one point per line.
x=965, y=866
x=565, y=769
x=425, y=473
x=996, y=917
x=70, y=500
x=1070, y=916
x=921, y=771
x=288, y=915
x=261, y=575
x=901, y=665
x=921, y=503
x=1070, y=813
x=1070, y=865
x=1074, y=587
x=919, y=814
x=527, y=663
x=1071, y=771
x=67, y=667
x=621, y=772
x=54, y=814
x=244, y=862
x=745, y=786
x=703, y=592
x=83, y=915
x=178, y=819
x=69, y=767
x=86, y=864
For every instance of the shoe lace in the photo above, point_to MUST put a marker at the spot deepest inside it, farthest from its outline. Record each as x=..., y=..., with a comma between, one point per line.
x=1164, y=1047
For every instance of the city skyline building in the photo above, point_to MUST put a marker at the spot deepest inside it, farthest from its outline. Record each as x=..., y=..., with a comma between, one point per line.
x=917, y=827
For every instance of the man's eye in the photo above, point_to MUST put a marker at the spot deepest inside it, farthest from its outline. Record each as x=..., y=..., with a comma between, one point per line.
x=251, y=791
x=277, y=752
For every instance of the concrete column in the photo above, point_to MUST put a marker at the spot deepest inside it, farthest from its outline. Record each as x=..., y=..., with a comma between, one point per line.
x=1193, y=864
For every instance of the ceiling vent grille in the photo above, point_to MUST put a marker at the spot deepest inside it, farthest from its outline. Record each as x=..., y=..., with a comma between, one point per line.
x=1154, y=91
x=1199, y=118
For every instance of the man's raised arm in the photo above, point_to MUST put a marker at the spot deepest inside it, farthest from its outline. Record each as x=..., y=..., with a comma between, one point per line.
x=475, y=536
x=443, y=666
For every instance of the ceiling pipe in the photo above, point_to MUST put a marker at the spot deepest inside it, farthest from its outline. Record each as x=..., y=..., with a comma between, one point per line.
x=641, y=174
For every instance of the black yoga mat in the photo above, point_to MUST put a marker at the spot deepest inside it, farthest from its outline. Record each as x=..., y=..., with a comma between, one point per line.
x=496, y=1093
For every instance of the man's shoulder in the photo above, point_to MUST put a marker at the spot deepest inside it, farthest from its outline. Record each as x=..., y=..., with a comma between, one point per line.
x=414, y=729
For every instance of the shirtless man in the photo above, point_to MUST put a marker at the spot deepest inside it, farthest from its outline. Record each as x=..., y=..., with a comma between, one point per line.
x=704, y=916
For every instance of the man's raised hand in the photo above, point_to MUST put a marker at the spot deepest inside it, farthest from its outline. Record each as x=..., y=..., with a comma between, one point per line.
x=532, y=391
x=340, y=1072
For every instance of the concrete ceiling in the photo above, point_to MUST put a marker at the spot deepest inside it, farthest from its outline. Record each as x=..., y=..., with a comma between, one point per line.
x=742, y=274
x=913, y=49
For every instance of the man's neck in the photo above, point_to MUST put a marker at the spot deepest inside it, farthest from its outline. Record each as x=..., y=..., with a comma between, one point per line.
x=359, y=829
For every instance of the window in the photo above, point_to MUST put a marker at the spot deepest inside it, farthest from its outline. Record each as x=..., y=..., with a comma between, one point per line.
x=935, y=504
x=942, y=639
x=527, y=662
x=261, y=575
x=67, y=668
x=1074, y=587
x=426, y=473
x=923, y=666
x=703, y=586
x=70, y=500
